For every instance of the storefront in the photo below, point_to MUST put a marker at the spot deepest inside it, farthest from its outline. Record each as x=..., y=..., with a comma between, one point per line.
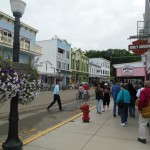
x=131, y=72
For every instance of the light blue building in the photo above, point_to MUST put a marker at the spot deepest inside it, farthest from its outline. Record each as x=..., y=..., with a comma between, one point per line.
x=28, y=48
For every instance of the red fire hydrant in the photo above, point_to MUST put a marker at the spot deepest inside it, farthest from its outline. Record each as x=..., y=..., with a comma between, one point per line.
x=85, y=110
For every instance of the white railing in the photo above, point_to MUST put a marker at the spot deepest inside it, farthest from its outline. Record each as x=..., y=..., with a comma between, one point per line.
x=60, y=55
x=8, y=41
x=36, y=49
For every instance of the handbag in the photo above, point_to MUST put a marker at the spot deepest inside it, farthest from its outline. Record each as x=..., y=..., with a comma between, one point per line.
x=121, y=102
x=145, y=112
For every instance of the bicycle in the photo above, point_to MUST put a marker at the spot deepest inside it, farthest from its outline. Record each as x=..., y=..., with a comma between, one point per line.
x=86, y=95
x=78, y=96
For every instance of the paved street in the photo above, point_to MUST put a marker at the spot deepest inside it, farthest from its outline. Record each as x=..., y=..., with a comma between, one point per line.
x=43, y=100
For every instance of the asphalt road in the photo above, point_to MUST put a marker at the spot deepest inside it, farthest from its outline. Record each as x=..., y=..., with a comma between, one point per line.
x=35, y=118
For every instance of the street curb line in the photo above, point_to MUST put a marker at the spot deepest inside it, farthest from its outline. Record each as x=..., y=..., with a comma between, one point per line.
x=52, y=128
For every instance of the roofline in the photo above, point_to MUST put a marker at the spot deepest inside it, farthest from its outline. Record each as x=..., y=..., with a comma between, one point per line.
x=101, y=58
x=9, y=17
x=128, y=63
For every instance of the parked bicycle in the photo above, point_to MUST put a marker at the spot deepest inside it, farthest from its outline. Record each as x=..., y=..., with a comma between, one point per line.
x=70, y=86
x=85, y=95
x=45, y=87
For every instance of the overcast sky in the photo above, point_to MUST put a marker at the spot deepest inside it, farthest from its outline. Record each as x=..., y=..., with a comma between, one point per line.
x=86, y=24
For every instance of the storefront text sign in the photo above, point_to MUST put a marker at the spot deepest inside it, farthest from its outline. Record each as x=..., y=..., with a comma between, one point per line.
x=127, y=71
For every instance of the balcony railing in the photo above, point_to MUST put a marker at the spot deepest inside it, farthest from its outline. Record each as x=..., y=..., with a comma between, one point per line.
x=26, y=47
x=60, y=55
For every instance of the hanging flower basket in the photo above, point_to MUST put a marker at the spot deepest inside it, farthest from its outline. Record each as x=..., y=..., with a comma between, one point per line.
x=9, y=82
x=15, y=80
x=29, y=89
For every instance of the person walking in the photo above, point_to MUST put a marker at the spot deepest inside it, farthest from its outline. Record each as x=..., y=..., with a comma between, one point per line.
x=132, y=92
x=56, y=96
x=99, y=98
x=138, y=93
x=106, y=99
x=114, y=91
x=124, y=96
x=144, y=101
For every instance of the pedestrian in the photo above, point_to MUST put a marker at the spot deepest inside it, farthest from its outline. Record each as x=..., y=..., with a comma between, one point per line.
x=138, y=93
x=99, y=98
x=106, y=99
x=81, y=89
x=132, y=92
x=143, y=102
x=124, y=96
x=115, y=90
x=56, y=96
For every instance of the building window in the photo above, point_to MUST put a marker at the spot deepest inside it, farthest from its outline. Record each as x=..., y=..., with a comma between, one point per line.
x=67, y=66
x=73, y=64
x=61, y=50
x=63, y=66
x=5, y=33
x=67, y=55
x=58, y=65
x=9, y=34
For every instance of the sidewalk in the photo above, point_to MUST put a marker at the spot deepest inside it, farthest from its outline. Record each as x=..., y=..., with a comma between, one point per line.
x=104, y=132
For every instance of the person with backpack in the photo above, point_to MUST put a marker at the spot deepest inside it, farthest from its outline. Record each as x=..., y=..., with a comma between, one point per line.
x=123, y=97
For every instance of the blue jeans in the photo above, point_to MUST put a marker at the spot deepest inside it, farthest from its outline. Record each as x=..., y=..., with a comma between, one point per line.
x=80, y=94
x=114, y=109
x=99, y=105
x=132, y=111
x=124, y=113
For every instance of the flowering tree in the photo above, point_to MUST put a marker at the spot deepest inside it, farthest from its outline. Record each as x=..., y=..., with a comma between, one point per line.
x=26, y=85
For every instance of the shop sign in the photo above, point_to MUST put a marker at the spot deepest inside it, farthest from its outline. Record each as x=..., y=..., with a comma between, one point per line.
x=139, y=47
x=127, y=71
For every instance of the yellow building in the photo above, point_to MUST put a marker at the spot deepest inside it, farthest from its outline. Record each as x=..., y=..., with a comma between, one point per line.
x=79, y=66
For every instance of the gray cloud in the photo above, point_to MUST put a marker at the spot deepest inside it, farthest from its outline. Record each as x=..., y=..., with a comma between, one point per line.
x=88, y=24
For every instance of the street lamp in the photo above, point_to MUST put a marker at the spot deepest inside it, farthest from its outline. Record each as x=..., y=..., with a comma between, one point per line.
x=13, y=142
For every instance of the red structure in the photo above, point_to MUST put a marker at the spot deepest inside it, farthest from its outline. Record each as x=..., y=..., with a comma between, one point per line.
x=85, y=110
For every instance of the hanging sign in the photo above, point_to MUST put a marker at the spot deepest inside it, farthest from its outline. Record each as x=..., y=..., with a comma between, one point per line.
x=139, y=47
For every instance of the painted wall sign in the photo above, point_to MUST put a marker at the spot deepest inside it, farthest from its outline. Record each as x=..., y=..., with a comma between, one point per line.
x=127, y=71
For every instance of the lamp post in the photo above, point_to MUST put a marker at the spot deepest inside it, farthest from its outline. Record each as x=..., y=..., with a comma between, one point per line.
x=13, y=142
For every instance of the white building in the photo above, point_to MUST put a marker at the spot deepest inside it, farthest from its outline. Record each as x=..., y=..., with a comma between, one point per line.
x=55, y=61
x=99, y=70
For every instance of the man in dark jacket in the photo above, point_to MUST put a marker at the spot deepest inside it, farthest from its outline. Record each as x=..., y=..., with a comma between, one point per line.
x=115, y=90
